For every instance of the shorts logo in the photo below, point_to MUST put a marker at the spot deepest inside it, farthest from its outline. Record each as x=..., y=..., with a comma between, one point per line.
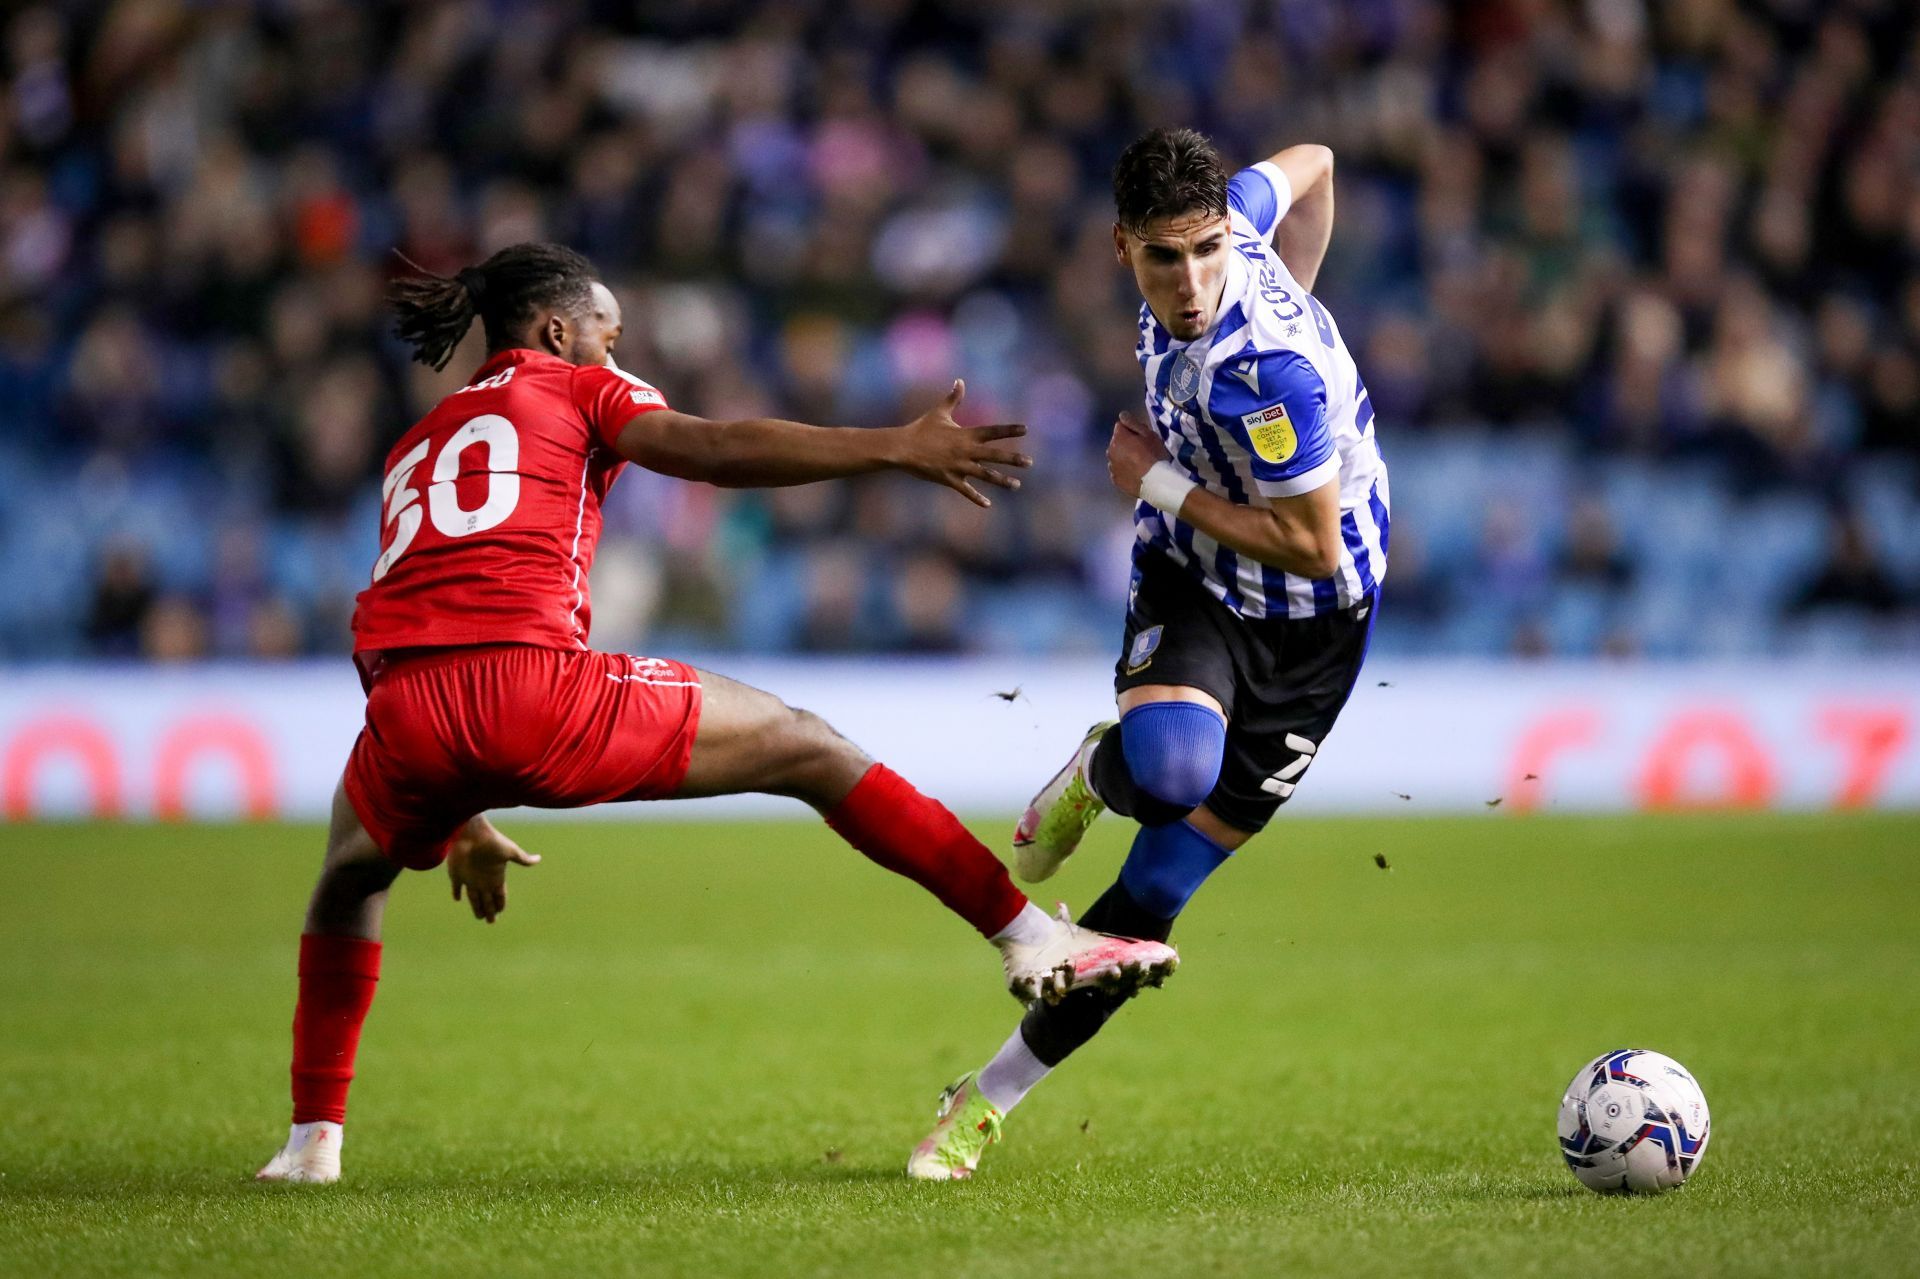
x=1144, y=645
x=1281, y=784
x=1271, y=431
x=1184, y=383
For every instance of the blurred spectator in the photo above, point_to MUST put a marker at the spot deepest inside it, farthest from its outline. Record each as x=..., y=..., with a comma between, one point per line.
x=173, y=630
x=1593, y=556
x=929, y=599
x=123, y=595
x=1650, y=233
x=273, y=631
x=1852, y=577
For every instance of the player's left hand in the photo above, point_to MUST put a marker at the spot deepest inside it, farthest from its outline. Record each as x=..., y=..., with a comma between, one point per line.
x=477, y=864
x=1131, y=453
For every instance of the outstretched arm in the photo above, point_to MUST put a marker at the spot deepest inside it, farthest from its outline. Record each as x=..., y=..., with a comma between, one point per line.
x=770, y=453
x=1307, y=226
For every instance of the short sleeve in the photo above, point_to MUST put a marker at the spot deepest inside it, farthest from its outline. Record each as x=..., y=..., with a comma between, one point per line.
x=609, y=397
x=1274, y=404
x=1260, y=194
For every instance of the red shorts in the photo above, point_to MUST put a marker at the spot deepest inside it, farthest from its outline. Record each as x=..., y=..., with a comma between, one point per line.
x=454, y=732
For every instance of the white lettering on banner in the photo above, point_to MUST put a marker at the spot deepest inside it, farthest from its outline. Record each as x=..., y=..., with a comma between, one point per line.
x=224, y=741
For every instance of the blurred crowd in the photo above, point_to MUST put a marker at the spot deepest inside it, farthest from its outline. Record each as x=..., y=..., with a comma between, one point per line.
x=1635, y=285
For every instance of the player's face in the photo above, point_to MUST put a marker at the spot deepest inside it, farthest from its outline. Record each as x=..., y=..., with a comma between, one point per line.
x=591, y=337
x=1180, y=265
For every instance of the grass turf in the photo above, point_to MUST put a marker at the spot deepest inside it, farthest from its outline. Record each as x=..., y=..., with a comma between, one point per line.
x=706, y=1049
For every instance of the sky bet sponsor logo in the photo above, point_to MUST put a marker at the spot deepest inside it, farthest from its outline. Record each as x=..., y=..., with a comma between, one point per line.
x=1272, y=433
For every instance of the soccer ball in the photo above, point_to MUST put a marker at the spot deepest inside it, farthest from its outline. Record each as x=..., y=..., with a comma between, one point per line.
x=1633, y=1120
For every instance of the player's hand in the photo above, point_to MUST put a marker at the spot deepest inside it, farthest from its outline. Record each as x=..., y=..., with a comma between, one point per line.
x=477, y=864
x=1131, y=453
x=936, y=448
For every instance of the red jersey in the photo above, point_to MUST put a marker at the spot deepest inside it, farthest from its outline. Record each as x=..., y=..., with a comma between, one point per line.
x=490, y=508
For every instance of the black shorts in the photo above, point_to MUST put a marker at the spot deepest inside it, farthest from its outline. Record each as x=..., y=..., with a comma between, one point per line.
x=1282, y=680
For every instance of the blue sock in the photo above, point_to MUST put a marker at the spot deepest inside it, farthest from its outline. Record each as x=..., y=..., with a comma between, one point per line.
x=1167, y=864
x=1173, y=751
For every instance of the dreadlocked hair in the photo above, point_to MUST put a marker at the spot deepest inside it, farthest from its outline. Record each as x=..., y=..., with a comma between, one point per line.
x=435, y=311
x=1167, y=173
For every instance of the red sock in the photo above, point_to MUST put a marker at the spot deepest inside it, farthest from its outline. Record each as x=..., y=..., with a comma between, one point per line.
x=912, y=835
x=337, y=977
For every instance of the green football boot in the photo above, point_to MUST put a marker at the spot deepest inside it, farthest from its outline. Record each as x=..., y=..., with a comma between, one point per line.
x=1059, y=816
x=968, y=1124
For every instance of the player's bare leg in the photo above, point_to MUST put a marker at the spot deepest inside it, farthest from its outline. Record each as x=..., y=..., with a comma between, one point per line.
x=340, y=966
x=752, y=741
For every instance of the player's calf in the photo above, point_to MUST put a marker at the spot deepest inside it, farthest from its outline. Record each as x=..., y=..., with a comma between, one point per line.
x=1167, y=864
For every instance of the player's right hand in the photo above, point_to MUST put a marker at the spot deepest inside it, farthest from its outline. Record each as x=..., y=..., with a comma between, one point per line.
x=936, y=448
x=477, y=864
x=1131, y=453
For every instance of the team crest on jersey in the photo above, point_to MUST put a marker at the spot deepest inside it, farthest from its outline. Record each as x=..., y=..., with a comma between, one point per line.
x=1184, y=383
x=1271, y=431
x=1143, y=648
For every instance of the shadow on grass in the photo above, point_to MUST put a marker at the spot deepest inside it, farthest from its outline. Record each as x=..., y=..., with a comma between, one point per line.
x=1531, y=1193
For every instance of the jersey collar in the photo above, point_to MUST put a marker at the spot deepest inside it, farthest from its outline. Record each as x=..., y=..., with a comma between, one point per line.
x=512, y=355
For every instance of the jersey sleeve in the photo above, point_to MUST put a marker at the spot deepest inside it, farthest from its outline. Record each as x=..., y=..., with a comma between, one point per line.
x=1261, y=194
x=1274, y=404
x=609, y=397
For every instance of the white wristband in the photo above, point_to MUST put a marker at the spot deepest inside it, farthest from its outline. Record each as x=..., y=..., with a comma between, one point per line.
x=1282, y=187
x=1164, y=487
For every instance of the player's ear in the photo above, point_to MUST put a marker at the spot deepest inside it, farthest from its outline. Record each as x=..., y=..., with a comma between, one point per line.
x=554, y=333
x=1120, y=251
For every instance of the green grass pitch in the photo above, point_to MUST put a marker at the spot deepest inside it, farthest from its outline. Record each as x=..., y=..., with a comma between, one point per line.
x=705, y=1049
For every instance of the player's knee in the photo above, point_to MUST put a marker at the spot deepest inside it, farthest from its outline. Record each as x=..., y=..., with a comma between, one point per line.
x=1174, y=751
x=1168, y=864
x=815, y=758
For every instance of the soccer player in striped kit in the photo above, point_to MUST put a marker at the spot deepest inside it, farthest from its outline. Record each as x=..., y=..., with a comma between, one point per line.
x=483, y=692
x=1261, y=541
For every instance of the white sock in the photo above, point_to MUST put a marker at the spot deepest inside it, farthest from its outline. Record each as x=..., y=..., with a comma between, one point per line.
x=1031, y=927
x=1011, y=1074
x=320, y=1130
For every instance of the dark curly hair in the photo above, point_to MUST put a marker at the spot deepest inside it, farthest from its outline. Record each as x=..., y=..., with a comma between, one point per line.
x=435, y=311
x=1165, y=174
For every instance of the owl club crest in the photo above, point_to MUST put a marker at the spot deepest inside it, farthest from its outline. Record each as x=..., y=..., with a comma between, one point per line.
x=1184, y=382
x=1141, y=653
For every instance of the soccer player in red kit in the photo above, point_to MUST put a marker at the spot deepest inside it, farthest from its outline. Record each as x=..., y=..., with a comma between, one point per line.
x=482, y=691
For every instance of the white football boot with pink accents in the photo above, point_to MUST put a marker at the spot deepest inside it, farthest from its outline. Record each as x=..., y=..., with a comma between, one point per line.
x=311, y=1155
x=1076, y=958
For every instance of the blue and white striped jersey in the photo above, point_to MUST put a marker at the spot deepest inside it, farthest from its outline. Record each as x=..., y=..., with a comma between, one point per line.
x=1267, y=403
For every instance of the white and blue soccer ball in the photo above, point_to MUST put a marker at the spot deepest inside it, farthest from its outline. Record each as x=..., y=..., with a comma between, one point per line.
x=1633, y=1121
